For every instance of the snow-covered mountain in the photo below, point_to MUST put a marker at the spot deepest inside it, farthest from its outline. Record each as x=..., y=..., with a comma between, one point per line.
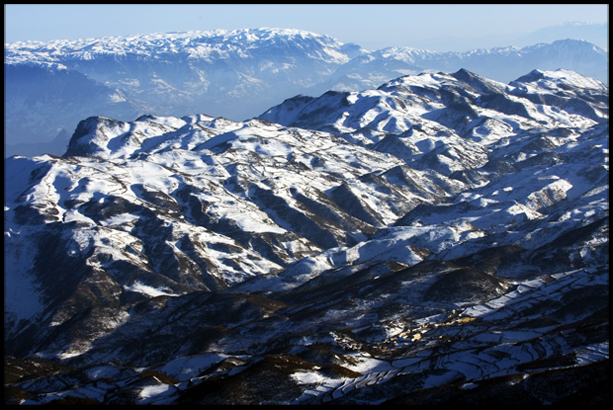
x=595, y=33
x=236, y=74
x=500, y=63
x=50, y=87
x=442, y=234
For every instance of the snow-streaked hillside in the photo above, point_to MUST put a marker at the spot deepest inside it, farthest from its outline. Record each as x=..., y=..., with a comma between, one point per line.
x=353, y=248
x=236, y=74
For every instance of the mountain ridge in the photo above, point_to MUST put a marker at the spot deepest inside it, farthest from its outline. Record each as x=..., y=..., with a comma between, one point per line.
x=174, y=74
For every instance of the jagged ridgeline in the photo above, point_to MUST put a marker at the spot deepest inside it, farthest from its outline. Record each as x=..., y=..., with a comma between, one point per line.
x=442, y=237
x=238, y=74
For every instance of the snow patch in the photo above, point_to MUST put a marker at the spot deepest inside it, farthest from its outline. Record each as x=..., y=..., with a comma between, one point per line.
x=147, y=290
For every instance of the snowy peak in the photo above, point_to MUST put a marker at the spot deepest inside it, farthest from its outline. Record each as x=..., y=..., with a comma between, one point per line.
x=566, y=46
x=103, y=137
x=433, y=104
x=561, y=79
x=89, y=137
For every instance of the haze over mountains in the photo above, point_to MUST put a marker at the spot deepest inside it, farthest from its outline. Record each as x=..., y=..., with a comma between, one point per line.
x=438, y=238
x=50, y=87
x=595, y=33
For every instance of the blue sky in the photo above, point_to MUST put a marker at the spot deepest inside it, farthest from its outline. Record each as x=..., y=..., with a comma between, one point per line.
x=443, y=27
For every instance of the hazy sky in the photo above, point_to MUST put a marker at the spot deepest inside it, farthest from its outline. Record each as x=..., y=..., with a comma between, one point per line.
x=443, y=27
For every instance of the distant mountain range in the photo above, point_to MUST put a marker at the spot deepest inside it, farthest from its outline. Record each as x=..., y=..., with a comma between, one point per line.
x=50, y=87
x=595, y=33
x=442, y=238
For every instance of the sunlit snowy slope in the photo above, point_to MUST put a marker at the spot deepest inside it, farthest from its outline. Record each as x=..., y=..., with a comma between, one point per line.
x=443, y=231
